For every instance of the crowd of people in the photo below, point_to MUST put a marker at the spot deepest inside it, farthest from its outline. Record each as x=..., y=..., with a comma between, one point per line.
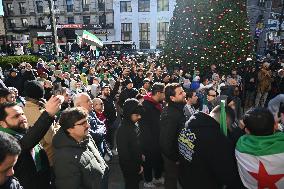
x=62, y=124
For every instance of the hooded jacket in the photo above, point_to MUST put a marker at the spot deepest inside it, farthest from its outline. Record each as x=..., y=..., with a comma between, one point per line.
x=128, y=145
x=77, y=166
x=171, y=122
x=207, y=155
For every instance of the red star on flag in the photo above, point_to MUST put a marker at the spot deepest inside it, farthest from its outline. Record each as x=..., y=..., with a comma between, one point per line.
x=264, y=179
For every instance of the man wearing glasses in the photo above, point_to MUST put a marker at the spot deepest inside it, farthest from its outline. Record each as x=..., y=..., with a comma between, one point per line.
x=77, y=161
x=209, y=104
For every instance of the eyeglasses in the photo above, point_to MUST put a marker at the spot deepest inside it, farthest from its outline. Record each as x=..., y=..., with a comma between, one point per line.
x=83, y=124
x=211, y=95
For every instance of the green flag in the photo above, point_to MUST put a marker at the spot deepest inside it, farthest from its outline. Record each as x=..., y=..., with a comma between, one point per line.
x=223, y=123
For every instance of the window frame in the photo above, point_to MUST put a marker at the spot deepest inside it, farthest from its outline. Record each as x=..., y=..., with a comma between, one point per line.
x=165, y=5
x=10, y=9
x=22, y=8
x=68, y=21
x=142, y=30
x=69, y=5
x=126, y=28
x=160, y=32
x=88, y=19
x=27, y=23
x=127, y=4
x=40, y=21
x=10, y=23
x=37, y=6
x=142, y=6
x=85, y=6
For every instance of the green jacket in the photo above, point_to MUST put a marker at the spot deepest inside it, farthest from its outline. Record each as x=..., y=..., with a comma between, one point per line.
x=77, y=166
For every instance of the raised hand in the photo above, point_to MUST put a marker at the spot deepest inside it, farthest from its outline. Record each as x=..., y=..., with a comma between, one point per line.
x=52, y=106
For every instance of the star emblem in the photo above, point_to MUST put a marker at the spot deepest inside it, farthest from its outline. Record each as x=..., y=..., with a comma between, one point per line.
x=264, y=179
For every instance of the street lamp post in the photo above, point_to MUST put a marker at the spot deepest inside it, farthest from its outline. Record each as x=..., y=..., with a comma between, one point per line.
x=105, y=18
x=53, y=27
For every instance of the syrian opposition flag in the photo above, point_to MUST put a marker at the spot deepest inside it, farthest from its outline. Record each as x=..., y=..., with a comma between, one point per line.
x=261, y=161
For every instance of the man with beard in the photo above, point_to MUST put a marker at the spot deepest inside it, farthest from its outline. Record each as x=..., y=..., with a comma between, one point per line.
x=150, y=132
x=108, y=98
x=32, y=168
x=172, y=121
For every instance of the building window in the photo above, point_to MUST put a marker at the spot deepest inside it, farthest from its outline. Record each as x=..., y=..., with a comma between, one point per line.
x=11, y=23
x=144, y=5
x=144, y=35
x=71, y=20
x=125, y=6
x=102, y=20
x=86, y=19
x=22, y=7
x=25, y=22
x=162, y=32
x=86, y=5
x=126, y=32
x=163, y=5
x=10, y=8
x=39, y=6
x=69, y=4
x=101, y=5
x=40, y=22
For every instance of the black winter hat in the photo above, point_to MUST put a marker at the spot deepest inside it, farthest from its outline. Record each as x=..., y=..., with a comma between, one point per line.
x=127, y=81
x=131, y=106
x=33, y=89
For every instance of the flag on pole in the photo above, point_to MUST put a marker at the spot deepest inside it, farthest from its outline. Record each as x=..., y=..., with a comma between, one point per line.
x=223, y=122
x=261, y=161
x=91, y=39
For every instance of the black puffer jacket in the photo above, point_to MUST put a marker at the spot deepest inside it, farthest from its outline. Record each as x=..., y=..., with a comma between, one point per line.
x=77, y=166
x=207, y=155
x=172, y=121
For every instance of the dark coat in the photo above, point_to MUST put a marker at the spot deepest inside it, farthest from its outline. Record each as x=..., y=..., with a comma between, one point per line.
x=109, y=106
x=11, y=183
x=25, y=168
x=77, y=166
x=149, y=125
x=138, y=82
x=128, y=147
x=172, y=121
x=125, y=94
x=29, y=75
x=16, y=82
x=207, y=155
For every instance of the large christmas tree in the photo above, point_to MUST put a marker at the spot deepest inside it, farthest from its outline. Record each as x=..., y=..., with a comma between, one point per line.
x=205, y=32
